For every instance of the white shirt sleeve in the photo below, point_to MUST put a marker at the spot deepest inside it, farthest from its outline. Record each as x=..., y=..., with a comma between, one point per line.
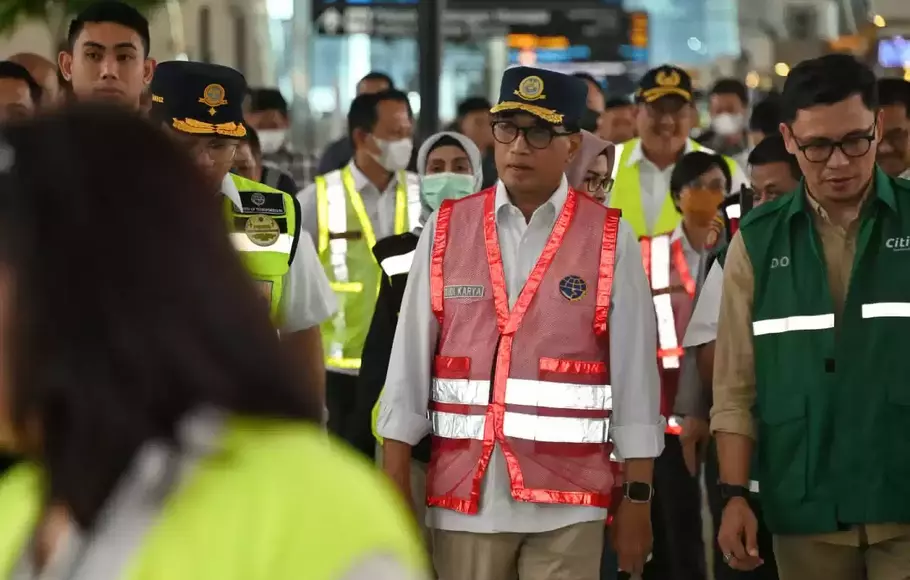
x=403, y=405
x=308, y=299
x=739, y=178
x=382, y=568
x=702, y=327
x=637, y=429
x=309, y=217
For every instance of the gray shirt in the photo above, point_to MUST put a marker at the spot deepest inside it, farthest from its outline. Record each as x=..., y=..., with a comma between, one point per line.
x=636, y=426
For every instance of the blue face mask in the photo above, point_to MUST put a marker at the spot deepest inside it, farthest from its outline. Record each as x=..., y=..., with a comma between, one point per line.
x=441, y=186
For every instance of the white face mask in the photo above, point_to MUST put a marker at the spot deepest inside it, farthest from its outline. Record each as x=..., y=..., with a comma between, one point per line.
x=394, y=155
x=271, y=140
x=727, y=124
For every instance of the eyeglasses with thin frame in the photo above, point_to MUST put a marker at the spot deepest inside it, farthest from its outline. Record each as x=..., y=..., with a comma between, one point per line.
x=598, y=184
x=536, y=136
x=218, y=150
x=821, y=150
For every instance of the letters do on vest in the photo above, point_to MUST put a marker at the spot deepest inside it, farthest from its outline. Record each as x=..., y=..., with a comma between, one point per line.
x=345, y=242
x=548, y=402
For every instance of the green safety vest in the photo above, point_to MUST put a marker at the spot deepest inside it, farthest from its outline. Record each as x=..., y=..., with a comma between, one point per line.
x=264, y=230
x=345, y=243
x=832, y=399
x=278, y=500
x=626, y=193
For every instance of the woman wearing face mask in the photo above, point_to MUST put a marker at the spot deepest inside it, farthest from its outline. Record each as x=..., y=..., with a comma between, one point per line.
x=450, y=166
x=591, y=170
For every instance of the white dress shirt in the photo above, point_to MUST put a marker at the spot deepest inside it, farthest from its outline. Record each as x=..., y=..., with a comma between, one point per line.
x=636, y=426
x=703, y=324
x=655, y=182
x=307, y=299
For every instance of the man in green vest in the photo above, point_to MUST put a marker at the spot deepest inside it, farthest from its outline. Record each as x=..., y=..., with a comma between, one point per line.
x=200, y=106
x=810, y=364
x=345, y=212
x=643, y=167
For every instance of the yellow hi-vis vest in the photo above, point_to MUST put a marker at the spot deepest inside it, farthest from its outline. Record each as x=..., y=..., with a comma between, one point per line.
x=275, y=500
x=264, y=230
x=346, y=240
x=626, y=193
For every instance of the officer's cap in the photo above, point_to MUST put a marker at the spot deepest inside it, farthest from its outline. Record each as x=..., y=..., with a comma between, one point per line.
x=199, y=98
x=664, y=81
x=553, y=97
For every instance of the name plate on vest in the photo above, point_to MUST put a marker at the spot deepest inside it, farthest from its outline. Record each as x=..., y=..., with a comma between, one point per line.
x=463, y=292
x=258, y=202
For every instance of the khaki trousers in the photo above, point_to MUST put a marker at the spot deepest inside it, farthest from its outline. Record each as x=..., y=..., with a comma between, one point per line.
x=570, y=553
x=807, y=558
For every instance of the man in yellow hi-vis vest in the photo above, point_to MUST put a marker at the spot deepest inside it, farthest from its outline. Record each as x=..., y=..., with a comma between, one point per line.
x=643, y=167
x=345, y=212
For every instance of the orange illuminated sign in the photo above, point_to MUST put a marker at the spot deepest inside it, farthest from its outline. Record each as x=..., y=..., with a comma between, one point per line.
x=532, y=42
x=638, y=29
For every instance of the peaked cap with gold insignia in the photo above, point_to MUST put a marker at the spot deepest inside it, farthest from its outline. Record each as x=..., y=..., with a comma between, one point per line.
x=664, y=81
x=199, y=98
x=551, y=96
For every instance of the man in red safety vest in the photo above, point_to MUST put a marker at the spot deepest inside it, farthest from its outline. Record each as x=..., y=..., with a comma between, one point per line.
x=525, y=347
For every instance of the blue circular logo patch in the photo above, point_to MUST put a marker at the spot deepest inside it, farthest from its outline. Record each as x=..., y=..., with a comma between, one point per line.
x=573, y=288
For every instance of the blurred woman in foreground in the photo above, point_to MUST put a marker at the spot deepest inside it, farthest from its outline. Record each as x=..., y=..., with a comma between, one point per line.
x=142, y=381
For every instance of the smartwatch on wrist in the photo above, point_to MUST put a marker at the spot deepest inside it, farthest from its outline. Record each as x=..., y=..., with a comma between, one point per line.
x=729, y=491
x=637, y=491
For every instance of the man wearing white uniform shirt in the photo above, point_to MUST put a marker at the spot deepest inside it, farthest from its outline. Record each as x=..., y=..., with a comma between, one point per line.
x=644, y=165
x=345, y=212
x=527, y=333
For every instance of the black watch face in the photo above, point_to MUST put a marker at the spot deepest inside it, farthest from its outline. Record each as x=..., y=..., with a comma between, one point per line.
x=638, y=491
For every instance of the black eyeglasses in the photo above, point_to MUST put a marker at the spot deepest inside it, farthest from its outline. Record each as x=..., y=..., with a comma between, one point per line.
x=536, y=136
x=598, y=184
x=821, y=151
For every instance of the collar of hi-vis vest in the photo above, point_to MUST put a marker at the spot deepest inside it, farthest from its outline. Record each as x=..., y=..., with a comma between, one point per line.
x=637, y=155
x=556, y=201
x=230, y=191
x=361, y=181
x=882, y=190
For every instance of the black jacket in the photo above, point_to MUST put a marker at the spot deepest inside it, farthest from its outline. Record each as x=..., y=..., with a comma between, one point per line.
x=377, y=350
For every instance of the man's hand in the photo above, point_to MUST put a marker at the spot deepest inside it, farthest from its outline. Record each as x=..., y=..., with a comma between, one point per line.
x=738, y=536
x=695, y=431
x=632, y=536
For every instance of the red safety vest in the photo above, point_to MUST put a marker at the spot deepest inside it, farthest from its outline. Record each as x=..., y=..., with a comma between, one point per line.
x=533, y=379
x=673, y=288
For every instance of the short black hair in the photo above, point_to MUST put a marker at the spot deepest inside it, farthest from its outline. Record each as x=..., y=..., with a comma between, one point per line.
x=827, y=80
x=252, y=137
x=111, y=11
x=731, y=87
x=472, y=105
x=773, y=150
x=268, y=99
x=692, y=166
x=894, y=91
x=364, y=111
x=11, y=70
x=766, y=116
x=587, y=77
x=378, y=76
x=618, y=103
x=177, y=325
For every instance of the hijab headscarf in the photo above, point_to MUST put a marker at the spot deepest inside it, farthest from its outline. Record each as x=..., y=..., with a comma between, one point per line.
x=469, y=147
x=591, y=147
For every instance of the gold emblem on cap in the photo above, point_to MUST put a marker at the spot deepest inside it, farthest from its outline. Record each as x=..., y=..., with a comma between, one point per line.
x=213, y=96
x=531, y=89
x=262, y=230
x=667, y=79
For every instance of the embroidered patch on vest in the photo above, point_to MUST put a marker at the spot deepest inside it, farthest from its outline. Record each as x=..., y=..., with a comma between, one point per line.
x=463, y=292
x=573, y=288
x=261, y=203
x=262, y=230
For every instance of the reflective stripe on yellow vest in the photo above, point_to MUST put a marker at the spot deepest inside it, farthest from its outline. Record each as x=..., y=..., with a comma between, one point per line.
x=626, y=193
x=347, y=257
x=263, y=232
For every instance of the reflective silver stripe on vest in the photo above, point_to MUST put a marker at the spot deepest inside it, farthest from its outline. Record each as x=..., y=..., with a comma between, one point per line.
x=733, y=211
x=663, y=305
x=137, y=502
x=337, y=224
x=415, y=206
x=522, y=426
x=282, y=245
x=395, y=265
x=461, y=392
x=792, y=324
x=525, y=392
x=887, y=310
x=558, y=395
